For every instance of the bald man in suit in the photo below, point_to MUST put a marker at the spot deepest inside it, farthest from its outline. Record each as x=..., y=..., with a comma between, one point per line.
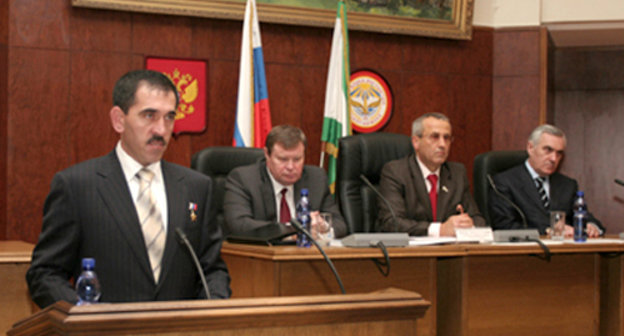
x=92, y=211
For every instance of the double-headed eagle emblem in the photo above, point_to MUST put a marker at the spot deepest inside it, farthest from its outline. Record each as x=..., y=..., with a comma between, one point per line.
x=188, y=89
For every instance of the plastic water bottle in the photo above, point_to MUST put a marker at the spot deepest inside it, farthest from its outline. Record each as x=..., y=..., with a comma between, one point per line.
x=88, y=285
x=303, y=216
x=580, y=217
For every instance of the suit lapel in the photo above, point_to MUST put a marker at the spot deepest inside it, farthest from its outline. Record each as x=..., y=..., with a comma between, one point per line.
x=266, y=189
x=446, y=189
x=177, y=209
x=527, y=186
x=556, y=188
x=419, y=185
x=302, y=183
x=114, y=191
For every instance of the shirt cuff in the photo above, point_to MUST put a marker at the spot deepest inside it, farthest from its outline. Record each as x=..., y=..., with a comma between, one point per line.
x=434, y=229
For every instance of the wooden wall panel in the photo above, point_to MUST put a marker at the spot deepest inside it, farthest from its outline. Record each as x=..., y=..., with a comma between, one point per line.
x=64, y=62
x=4, y=70
x=516, y=86
x=588, y=100
x=38, y=139
x=105, y=31
x=39, y=23
x=90, y=131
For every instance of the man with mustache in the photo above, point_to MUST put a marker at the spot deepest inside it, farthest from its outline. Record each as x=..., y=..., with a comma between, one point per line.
x=124, y=208
x=521, y=184
x=429, y=195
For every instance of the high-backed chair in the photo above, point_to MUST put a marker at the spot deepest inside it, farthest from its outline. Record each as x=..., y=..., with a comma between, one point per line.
x=217, y=162
x=365, y=154
x=491, y=163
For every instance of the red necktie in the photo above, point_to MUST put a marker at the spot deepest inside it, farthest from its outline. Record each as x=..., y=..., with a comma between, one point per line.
x=433, y=194
x=284, y=210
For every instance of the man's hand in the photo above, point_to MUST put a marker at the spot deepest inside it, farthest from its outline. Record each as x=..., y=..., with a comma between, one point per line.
x=315, y=222
x=592, y=231
x=462, y=221
x=568, y=232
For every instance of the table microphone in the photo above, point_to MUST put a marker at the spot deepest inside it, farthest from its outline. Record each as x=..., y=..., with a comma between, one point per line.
x=297, y=225
x=370, y=185
x=524, y=221
x=182, y=239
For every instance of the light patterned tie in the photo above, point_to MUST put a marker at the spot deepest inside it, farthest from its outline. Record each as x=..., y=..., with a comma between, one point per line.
x=151, y=221
x=539, y=183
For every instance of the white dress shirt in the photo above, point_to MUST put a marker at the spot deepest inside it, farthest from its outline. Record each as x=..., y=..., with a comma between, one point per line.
x=131, y=167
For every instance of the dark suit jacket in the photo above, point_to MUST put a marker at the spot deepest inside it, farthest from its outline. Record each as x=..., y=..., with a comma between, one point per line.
x=517, y=185
x=403, y=186
x=90, y=213
x=249, y=200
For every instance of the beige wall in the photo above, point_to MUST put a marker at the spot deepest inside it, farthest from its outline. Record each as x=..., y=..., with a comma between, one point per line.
x=515, y=13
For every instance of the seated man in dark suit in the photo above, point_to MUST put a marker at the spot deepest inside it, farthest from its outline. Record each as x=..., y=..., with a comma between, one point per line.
x=123, y=209
x=429, y=195
x=267, y=191
x=536, y=187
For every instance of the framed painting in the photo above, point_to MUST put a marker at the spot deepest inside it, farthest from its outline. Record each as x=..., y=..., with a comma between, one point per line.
x=436, y=18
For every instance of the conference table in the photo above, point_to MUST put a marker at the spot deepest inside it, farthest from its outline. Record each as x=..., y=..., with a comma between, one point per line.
x=474, y=289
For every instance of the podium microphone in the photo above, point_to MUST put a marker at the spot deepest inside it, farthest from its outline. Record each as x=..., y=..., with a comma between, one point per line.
x=182, y=238
x=620, y=182
x=297, y=225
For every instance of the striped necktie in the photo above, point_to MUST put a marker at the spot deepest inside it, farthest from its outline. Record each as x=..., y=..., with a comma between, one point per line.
x=151, y=221
x=539, y=183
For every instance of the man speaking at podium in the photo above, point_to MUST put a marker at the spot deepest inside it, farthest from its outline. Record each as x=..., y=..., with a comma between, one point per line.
x=123, y=209
x=429, y=195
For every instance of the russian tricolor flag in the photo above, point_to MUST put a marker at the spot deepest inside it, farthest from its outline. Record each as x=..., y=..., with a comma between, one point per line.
x=253, y=115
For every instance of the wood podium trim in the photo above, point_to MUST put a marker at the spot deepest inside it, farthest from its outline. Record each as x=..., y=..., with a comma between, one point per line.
x=290, y=253
x=176, y=316
x=13, y=251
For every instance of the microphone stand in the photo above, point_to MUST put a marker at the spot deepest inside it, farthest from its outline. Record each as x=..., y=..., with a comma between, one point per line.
x=185, y=242
x=525, y=235
x=297, y=225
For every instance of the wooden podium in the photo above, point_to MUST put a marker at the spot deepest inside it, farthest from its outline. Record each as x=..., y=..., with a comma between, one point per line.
x=15, y=301
x=390, y=311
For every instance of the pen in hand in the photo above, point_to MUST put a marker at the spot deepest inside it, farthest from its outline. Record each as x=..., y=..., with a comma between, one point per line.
x=460, y=209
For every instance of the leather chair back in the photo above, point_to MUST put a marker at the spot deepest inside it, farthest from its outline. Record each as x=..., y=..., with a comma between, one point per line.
x=365, y=154
x=217, y=162
x=491, y=163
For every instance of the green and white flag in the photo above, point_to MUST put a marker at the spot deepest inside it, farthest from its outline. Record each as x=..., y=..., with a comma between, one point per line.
x=336, y=120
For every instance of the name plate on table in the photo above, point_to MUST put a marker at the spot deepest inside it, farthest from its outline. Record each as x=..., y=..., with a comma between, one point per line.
x=474, y=235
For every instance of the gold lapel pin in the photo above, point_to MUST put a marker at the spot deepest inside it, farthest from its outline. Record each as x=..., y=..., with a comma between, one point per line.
x=192, y=209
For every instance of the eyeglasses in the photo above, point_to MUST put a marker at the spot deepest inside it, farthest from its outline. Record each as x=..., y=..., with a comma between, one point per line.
x=435, y=137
